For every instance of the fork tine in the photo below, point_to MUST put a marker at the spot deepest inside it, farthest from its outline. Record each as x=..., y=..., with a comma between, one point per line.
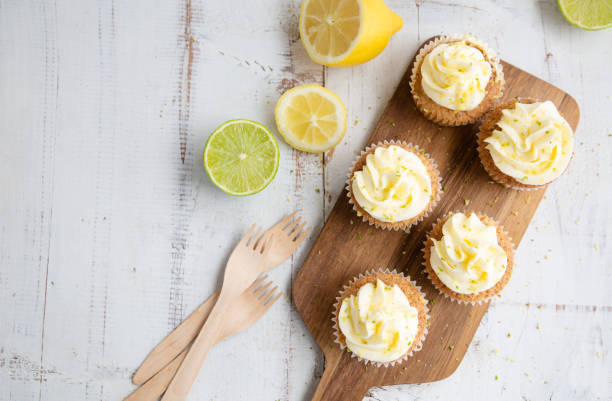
x=268, y=294
x=262, y=290
x=245, y=239
x=264, y=306
x=273, y=300
x=281, y=224
x=267, y=245
x=298, y=231
x=273, y=297
x=261, y=242
x=253, y=287
x=299, y=238
x=253, y=241
x=292, y=226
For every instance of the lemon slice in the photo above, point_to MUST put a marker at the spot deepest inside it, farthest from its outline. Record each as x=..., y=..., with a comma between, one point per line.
x=241, y=157
x=346, y=32
x=587, y=14
x=311, y=118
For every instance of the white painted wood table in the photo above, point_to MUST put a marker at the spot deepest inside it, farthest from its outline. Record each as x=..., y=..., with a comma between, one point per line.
x=111, y=232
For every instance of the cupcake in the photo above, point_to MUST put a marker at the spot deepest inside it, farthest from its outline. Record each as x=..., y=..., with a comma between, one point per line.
x=381, y=318
x=525, y=144
x=393, y=185
x=468, y=257
x=456, y=80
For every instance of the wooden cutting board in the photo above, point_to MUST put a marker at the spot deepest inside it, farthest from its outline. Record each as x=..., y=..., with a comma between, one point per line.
x=346, y=246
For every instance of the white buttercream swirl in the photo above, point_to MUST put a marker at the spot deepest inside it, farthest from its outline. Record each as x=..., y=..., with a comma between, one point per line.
x=394, y=184
x=455, y=75
x=533, y=144
x=379, y=323
x=468, y=258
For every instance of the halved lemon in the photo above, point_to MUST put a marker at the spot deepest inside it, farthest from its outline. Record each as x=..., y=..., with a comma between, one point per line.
x=311, y=118
x=346, y=32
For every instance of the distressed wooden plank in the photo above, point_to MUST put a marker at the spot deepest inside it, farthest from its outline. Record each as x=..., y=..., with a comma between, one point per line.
x=146, y=229
x=28, y=78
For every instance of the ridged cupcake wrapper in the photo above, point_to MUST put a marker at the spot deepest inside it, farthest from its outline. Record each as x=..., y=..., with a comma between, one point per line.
x=442, y=290
x=490, y=167
x=414, y=349
x=500, y=178
x=492, y=58
x=370, y=219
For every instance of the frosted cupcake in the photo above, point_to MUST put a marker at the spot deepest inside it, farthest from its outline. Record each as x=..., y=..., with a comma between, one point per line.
x=525, y=144
x=393, y=185
x=456, y=80
x=468, y=257
x=381, y=318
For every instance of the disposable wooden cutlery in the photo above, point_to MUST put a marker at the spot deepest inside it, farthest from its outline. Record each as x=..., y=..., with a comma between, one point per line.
x=245, y=263
x=248, y=308
x=288, y=235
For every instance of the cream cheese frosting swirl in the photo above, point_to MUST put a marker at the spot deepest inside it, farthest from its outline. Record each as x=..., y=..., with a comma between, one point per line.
x=394, y=184
x=455, y=75
x=379, y=323
x=533, y=144
x=468, y=258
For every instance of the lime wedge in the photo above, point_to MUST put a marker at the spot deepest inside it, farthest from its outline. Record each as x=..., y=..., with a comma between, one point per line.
x=587, y=14
x=241, y=157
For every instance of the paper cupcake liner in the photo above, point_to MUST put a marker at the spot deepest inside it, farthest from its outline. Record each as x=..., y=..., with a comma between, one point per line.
x=484, y=131
x=440, y=114
x=417, y=343
x=404, y=224
x=449, y=293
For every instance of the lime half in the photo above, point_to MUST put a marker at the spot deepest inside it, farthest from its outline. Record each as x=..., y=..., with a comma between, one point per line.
x=241, y=157
x=587, y=14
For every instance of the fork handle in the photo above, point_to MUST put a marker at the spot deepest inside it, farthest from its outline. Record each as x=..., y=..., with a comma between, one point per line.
x=156, y=385
x=175, y=342
x=188, y=371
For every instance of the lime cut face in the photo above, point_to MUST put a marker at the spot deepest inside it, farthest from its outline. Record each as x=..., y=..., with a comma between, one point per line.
x=241, y=157
x=587, y=14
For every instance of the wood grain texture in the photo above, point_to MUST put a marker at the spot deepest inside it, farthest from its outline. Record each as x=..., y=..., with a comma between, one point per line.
x=347, y=246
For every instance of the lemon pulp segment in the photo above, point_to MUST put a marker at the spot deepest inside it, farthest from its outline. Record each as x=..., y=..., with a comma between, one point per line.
x=311, y=118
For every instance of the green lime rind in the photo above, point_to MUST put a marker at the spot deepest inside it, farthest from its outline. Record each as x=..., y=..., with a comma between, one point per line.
x=592, y=15
x=241, y=157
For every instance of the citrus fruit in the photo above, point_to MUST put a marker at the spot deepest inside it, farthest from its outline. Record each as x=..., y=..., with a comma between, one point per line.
x=311, y=118
x=241, y=157
x=341, y=33
x=587, y=14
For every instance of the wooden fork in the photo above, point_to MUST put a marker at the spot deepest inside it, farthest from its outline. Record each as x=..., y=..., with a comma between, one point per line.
x=288, y=235
x=246, y=262
x=248, y=308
